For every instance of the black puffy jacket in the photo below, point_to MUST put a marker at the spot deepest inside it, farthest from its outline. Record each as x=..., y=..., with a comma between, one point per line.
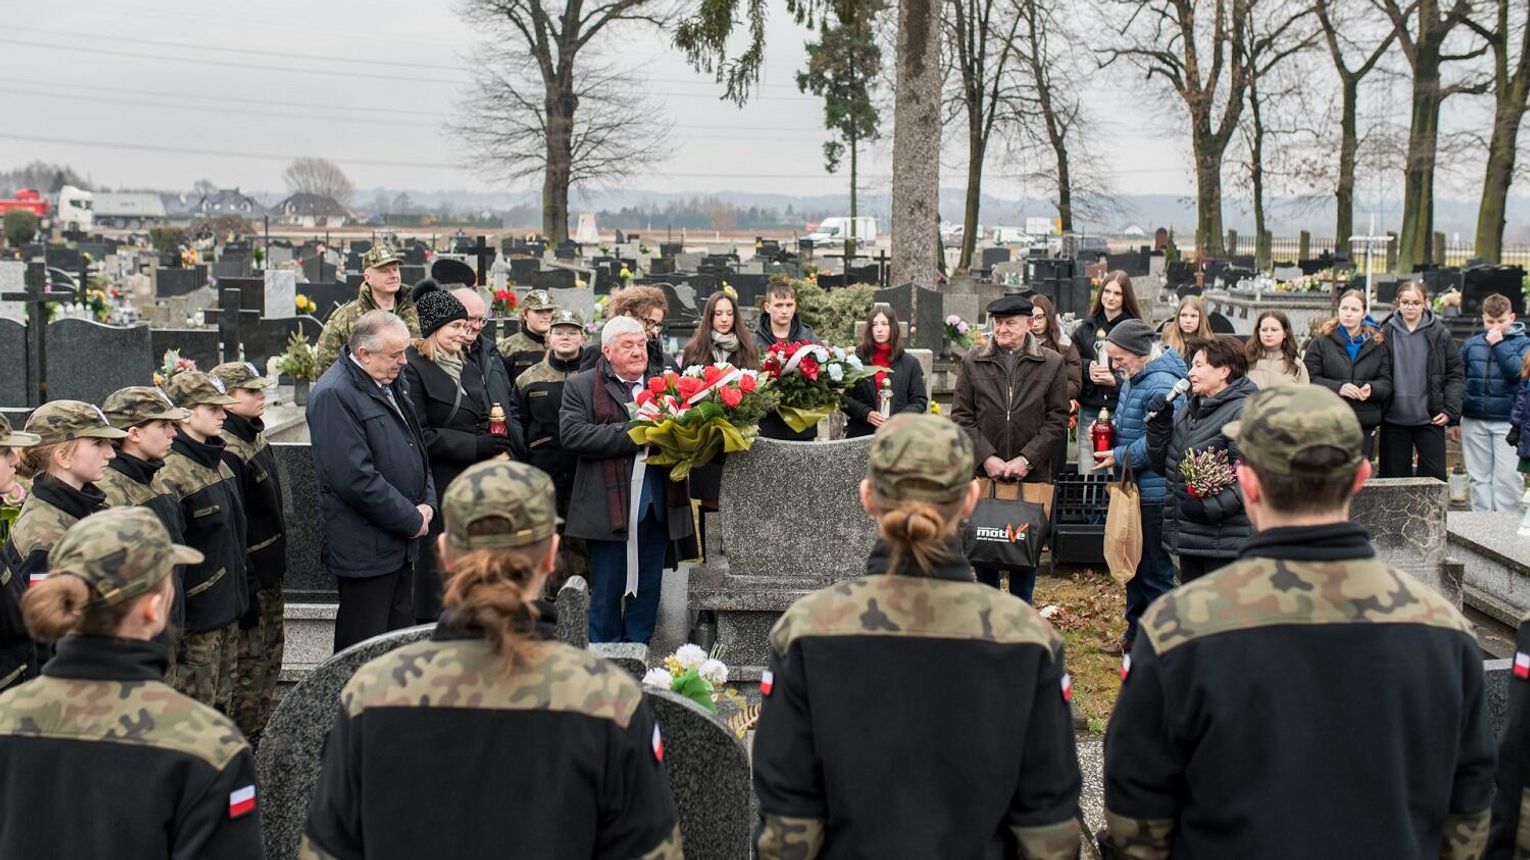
x=1329, y=365
x=1224, y=527
x=908, y=395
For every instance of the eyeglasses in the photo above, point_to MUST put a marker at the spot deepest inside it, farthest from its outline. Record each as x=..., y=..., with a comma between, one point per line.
x=652, y=325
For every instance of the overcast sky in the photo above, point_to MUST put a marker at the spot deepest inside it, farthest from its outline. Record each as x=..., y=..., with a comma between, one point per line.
x=161, y=94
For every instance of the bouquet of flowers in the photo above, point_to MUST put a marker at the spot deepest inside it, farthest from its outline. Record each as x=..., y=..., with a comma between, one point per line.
x=170, y=365
x=505, y=302
x=810, y=378
x=692, y=673
x=96, y=299
x=692, y=417
x=305, y=305
x=1207, y=472
x=300, y=360
x=958, y=331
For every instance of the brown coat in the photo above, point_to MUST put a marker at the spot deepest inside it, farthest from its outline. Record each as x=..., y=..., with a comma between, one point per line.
x=1018, y=413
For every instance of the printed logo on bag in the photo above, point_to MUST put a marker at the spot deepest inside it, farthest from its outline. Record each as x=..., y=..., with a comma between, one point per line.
x=1522, y=666
x=1009, y=532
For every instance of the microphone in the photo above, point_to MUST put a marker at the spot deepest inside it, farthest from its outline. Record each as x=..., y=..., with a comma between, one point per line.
x=1175, y=393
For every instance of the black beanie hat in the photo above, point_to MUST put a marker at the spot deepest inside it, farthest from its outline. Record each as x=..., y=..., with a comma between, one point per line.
x=435, y=306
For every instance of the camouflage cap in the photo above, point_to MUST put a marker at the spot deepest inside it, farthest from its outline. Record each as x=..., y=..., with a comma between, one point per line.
x=538, y=300
x=240, y=374
x=380, y=254
x=65, y=420
x=122, y=552
x=924, y=457
x=195, y=388
x=567, y=317
x=15, y=438
x=519, y=494
x=1279, y=424
x=140, y=404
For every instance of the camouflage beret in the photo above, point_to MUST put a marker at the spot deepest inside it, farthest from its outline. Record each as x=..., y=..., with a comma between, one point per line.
x=1279, y=424
x=567, y=317
x=140, y=404
x=15, y=438
x=240, y=374
x=121, y=552
x=538, y=300
x=195, y=388
x=520, y=495
x=380, y=254
x=923, y=457
x=65, y=420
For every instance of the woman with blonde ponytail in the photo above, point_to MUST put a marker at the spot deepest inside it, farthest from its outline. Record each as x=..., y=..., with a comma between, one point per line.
x=556, y=741
x=147, y=771
x=888, y=680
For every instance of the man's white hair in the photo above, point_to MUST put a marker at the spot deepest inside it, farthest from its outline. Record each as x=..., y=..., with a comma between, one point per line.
x=617, y=327
x=370, y=327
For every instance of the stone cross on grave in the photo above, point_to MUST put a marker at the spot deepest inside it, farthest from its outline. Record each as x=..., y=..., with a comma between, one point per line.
x=1370, y=242
x=36, y=297
x=484, y=252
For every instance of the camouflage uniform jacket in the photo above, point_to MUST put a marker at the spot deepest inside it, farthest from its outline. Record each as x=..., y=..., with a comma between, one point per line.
x=1307, y=700
x=522, y=351
x=584, y=780
x=48, y=512
x=962, y=766
x=147, y=771
x=538, y=399
x=1511, y=802
x=337, y=329
x=247, y=452
x=208, y=492
x=132, y=481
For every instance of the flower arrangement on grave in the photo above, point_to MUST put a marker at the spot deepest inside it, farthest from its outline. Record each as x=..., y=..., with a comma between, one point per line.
x=693, y=416
x=304, y=305
x=98, y=301
x=598, y=316
x=300, y=360
x=1207, y=472
x=1317, y=282
x=643, y=249
x=505, y=302
x=171, y=364
x=625, y=276
x=189, y=257
x=694, y=674
x=958, y=331
x=810, y=378
x=1447, y=304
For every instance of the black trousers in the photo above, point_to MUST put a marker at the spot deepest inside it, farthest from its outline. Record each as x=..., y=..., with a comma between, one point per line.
x=373, y=605
x=1193, y=567
x=1398, y=443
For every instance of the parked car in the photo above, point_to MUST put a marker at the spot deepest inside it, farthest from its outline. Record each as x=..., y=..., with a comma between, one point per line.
x=1011, y=236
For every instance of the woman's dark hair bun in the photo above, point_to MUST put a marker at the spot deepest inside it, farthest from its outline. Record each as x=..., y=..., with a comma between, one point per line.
x=428, y=285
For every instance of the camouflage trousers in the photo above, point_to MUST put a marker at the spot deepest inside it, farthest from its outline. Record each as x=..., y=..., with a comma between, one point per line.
x=205, y=666
x=260, y=663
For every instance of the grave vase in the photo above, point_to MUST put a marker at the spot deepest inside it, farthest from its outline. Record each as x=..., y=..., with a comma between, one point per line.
x=300, y=392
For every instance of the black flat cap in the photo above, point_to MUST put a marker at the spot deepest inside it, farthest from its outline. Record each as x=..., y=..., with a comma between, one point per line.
x=1009, y=306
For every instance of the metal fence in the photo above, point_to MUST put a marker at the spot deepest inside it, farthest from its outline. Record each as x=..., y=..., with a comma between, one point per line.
x=1288, y=249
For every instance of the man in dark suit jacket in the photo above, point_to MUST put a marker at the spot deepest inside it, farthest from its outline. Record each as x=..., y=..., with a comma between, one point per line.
x=628, y=512
x=376, y=496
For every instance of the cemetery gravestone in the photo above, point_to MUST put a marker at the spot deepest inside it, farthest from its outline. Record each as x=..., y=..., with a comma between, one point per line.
x=708, y=773
x=579, y=301
x=13, y=279
x=179, y=282
x=88, y=360
x=13, y=356
x=198, y=344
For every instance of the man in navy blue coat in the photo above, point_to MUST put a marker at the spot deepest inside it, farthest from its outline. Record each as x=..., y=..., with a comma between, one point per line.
x=376, y=497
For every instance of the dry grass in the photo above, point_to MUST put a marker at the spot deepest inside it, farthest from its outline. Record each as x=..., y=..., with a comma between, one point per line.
x=1088, y=615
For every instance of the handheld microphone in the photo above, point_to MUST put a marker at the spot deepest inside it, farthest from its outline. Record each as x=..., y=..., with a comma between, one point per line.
x=1175, y=393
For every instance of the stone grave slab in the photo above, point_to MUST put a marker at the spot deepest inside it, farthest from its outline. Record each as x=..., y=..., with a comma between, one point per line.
x=708, y=772
x=929, y=319
x=13, y=354
x=688, y=262
x=1497, y=562
x=13, y=274
x=88, y=360
x=179, y=282
x=306, y=580
x=1406, y=519
x=579, y=300
x=198, y=344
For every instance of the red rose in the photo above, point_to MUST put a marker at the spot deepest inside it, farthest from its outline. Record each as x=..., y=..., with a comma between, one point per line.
x=657, y=384
x=689, y=385
x=644, y=398
x=746, y=383
x=732, y=397
x=809, y=368
x=711, y=374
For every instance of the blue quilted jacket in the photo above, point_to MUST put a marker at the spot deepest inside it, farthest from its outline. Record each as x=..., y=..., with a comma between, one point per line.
x=1156, y=378
x=1492, y=374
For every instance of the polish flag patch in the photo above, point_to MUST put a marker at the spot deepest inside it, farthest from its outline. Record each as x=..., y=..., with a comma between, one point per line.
x=1067, y=687
x=658, y=744
x=241, y=802
x=767, y=681
x=33, y=579
x=1126, y=665
x=1522, y=665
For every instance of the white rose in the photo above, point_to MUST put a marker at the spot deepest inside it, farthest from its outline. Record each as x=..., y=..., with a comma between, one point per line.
x=837, y=372
x=690, y=656
x=714, y=671
x=658, y=678
x=694, y=370
x=854, y=361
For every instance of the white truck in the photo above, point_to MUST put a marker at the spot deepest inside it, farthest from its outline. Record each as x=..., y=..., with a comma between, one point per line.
x=73, y=209
x=834, y=231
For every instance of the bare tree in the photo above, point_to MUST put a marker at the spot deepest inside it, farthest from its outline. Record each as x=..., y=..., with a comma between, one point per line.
x=318, y=176
x=204, y=187
x=1511, y=89
x=916, y=245
x=1423, y=29
x=1343, y=31
x=1266, y=50
x=542, y=105
x=1052, y=112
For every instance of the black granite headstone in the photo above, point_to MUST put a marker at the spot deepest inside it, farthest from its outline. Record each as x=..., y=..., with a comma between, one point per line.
x=1482, y=281
x=198, y=344
x=88, y=360
x=13, y=354
x=179, y=282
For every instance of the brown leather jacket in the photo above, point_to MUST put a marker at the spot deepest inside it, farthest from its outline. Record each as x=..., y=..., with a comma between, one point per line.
x=1012, y=413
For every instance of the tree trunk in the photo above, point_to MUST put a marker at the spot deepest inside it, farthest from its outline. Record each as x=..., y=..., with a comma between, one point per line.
x=854, y=241
x=976, y=151
x=1349, y=146
x=1418, y=173
x=560, y=159
x=1208, y=196
x=1064, y=186
x=1502, y=149
x=1256, y=177
x=916, y=145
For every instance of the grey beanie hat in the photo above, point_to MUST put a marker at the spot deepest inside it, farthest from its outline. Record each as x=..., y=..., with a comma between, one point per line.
x=1134, y=336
